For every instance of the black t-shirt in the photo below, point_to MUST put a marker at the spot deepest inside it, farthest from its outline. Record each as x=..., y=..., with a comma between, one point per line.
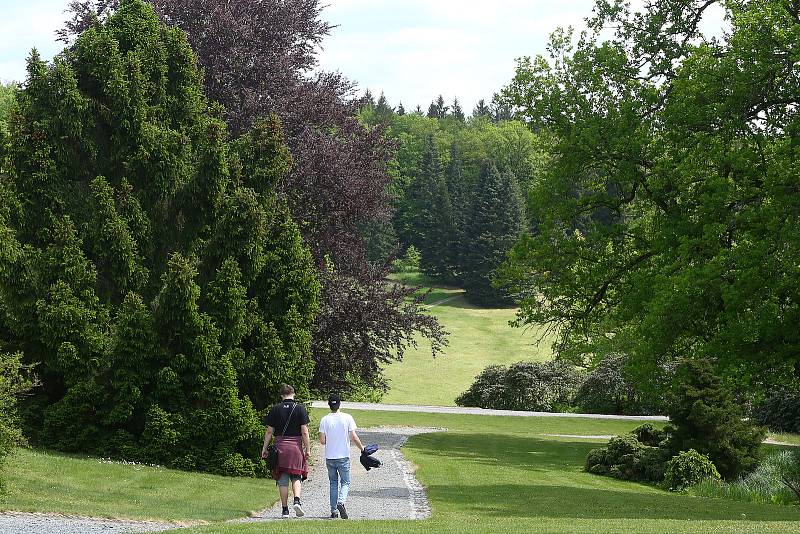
x=279, y=413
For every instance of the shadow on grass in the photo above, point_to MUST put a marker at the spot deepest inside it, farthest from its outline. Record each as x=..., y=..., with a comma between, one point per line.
x=518, y=476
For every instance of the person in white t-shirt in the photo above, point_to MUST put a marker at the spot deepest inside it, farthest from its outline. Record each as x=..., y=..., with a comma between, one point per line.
x=335, y=432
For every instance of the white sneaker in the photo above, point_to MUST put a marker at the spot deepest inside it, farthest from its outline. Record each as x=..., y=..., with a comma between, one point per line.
x=298, y=510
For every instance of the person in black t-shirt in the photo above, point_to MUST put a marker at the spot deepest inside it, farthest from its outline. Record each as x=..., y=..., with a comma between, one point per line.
x=288, y=422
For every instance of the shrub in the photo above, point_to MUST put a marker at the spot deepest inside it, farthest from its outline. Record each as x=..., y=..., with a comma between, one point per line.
x=627, y=458
x=688, y=468
x=704, y=417
x=649, y=435
x=607, y=390
x=766, y=485
x=536, y=386
x=409, y=263
x=780, y=412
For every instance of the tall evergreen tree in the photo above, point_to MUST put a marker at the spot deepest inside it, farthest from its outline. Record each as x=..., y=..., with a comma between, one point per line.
x=459, y=193
x=482, y=110
x=150, y=271
x=418, y=111
x=496, y=222
x=456, y=112
x=401, y=110
x=383, y=111
x=430, y=215
x=368, y=99
x=501, y=110
x=438, y=109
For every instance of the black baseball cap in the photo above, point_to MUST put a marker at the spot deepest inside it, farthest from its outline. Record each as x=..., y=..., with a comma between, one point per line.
x=334, y=400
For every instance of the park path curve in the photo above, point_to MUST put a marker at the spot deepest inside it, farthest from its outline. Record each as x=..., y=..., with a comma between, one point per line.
x=389, y=492
x=479, y=411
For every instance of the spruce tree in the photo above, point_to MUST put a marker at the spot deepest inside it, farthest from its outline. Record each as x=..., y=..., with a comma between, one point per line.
x=482, y=110
x=432, y=215
x=457, y=113
x=383, y=111
x=401, y=110
x=148, y=268
x=705, y=417
x=438, y=109
x=496, y=221
x=458, y=192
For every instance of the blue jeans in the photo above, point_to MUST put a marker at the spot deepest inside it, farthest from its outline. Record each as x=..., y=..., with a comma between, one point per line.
x=338, y=471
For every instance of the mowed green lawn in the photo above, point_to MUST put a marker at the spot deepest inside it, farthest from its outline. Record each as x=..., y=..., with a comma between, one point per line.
x=500, y=474
x=484, y=474
x=40, y=481
x=479, y=337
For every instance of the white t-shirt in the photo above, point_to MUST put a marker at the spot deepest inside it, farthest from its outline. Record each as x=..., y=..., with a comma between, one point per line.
x=337, y=427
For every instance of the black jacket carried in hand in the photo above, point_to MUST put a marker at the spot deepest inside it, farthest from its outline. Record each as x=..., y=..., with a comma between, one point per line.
x=367, y=460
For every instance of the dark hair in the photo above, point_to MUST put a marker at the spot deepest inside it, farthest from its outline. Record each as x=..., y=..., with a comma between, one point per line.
x=286, y=389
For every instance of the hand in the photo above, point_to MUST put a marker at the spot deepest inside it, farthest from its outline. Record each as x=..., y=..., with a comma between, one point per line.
x=307, y=454
x=264, y=453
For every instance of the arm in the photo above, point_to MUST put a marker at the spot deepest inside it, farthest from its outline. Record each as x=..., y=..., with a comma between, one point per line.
x=356, y=440
x=306, y=440
x=322, y=438
x=267, y=439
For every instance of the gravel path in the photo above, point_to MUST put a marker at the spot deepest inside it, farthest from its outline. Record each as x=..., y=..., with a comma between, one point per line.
x=390, y=492
x=18, y=523
x=480, y=411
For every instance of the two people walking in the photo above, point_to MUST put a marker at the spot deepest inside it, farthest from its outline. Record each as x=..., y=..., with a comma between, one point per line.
x=288, y=423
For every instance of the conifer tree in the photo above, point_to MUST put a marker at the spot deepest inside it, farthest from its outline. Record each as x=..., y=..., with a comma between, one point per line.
x=457, y=113
x=383, y=111
x=418, y=111
x=482, y=110
x=431, y=215
x=401, y=110
x=495, y=223
x=458, y=192
x=438, y=109
x=148, y=267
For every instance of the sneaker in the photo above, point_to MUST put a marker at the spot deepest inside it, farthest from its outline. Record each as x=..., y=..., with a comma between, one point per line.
x=285, y=513
x=298, y=509
x=334, y=515
x=342, y=510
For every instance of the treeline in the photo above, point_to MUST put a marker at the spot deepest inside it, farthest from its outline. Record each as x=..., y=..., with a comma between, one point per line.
x=459, y=186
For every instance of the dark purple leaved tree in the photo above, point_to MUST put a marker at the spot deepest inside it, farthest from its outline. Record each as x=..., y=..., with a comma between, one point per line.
x=258, y=58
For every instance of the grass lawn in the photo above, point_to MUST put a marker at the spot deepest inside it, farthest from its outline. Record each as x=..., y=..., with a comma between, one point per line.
x=499, y=474
x=38, y=481
x=484, y=474
x=478, y=337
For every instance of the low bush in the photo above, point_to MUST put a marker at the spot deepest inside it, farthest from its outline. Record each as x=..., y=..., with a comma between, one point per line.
x=409, y=263
x=536, y=386
x=770, y=483
x=688, y=468
x=628, y=458
x=780, y=412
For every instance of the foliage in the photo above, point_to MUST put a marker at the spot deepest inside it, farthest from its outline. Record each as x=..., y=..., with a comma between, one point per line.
x=607, y=390
x=428, y=216
x=258, y=59
x=532, y=386
x=14, y=381
x=409, y=263
x=704, y=417
x=780, y=412
x=495, y=222
x=627, y=457
x=688, y=468
x=767, y=484
x=663, y=227
x=151, y=273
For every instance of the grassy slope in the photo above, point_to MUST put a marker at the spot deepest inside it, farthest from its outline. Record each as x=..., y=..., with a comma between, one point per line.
x=484, y=473
x=45, y=482
x=500, y=474
x=478, y=338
